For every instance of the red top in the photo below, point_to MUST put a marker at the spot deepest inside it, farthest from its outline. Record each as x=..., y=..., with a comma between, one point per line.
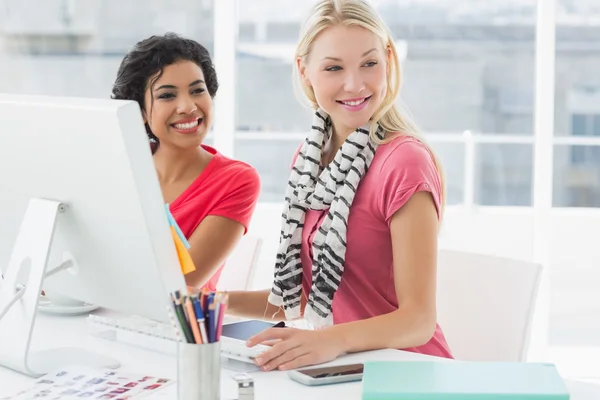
x=399, y=169
x=227, y=188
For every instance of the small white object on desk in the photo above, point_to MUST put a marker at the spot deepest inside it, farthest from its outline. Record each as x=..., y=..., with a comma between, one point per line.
x=245, y=386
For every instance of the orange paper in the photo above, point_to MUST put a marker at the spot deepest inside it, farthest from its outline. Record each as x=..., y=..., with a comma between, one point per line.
x=185, y=260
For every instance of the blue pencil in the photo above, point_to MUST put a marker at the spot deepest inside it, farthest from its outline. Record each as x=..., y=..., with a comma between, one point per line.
x=200, y=318
x=173, y=223
x=210, y=318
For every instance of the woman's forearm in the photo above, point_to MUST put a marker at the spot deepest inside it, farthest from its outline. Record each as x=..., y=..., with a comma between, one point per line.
x=253, y=305
x=400, y=329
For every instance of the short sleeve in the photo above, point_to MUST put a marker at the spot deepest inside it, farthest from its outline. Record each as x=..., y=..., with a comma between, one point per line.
x=409, y=168
x=240, y=202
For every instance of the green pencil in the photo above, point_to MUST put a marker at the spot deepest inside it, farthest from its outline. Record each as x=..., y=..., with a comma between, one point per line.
x=182, y=319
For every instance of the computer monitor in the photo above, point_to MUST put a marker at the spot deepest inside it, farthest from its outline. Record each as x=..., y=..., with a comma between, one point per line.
x=78, y=188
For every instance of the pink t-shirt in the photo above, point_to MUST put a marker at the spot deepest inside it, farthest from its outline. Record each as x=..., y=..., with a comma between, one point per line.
x=399, y=169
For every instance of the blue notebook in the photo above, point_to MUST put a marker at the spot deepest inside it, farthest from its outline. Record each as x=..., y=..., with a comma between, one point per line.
x=457, y=380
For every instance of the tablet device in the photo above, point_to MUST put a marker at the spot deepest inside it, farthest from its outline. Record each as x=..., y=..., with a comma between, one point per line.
x=234, y=337
x=245, y=330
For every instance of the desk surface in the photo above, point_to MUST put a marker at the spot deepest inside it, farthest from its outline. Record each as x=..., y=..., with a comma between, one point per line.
x=53, y=331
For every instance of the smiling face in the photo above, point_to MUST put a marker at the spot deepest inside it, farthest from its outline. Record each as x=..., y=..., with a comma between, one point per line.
x=178, y=106
x=346, y=69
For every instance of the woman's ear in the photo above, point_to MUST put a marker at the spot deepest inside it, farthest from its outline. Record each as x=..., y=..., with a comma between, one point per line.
x=301, y=65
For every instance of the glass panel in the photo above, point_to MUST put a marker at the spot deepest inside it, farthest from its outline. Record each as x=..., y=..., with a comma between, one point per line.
x=579, y=125
x=596, y=125
x=272, y=159
x=503, y=174
x=265, y=99
x=576, y=176
x=452, y=156
x=577, y=94
x=73, y=48
x=466, y=67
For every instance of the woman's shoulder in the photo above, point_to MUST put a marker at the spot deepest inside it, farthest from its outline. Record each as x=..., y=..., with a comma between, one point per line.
x=237, y=166
x=235, y=174
x=231, y=166
x=403, y=149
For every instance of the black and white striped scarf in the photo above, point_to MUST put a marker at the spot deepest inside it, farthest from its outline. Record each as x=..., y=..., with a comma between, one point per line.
x=311, y=187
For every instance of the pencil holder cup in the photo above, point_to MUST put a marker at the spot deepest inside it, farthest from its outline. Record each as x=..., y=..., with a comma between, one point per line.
x=199, y=371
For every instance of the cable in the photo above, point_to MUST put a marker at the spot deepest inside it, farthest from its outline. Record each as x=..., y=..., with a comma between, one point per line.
x=21, y=288
x=16, y=297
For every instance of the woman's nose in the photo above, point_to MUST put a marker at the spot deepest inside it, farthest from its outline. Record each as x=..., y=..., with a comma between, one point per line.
x=186, y=106
x=353, y=82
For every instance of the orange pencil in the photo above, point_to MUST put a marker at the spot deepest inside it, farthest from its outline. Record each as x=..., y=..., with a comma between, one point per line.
x=192, y=319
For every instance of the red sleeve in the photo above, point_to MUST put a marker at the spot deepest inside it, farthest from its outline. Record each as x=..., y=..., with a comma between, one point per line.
x=409, y=168
x=241, y=200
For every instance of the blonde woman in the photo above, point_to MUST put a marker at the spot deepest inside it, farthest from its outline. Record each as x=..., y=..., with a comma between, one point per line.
x=357, y=252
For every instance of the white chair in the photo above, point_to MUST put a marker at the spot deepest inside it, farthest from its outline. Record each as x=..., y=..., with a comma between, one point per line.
x=485, y=305
x=239, y=269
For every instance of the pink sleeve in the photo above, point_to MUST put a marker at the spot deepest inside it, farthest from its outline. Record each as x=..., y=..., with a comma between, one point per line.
x=408, y=169
x=239, y=205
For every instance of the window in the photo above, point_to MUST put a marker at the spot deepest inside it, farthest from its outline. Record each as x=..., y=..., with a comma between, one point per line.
x=73, y=48
x=585, y=125
x=464, y=69
x=575, y=305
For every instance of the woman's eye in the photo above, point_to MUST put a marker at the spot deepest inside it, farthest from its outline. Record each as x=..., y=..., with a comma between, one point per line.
x=166, y=96
x=371, y=64
x=198, y=91
x=333, y=69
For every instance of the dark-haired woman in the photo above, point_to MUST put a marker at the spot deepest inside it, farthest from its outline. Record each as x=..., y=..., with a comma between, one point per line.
x=211, y=197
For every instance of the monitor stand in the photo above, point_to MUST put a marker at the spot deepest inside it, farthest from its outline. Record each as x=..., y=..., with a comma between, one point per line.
x=18, y=305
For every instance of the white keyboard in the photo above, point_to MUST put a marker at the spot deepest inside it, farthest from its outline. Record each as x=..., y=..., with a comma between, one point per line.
x=159, y=337
x=135, y=331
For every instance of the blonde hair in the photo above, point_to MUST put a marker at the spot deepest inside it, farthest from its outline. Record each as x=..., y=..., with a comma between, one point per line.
x=327, y=13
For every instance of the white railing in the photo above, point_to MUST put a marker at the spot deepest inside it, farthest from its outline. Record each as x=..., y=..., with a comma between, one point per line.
x=468, y=139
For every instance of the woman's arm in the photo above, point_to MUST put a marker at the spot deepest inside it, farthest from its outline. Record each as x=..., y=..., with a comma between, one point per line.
x=219, y=232
x=210, y=244
x=255, y=305
x=414, y=231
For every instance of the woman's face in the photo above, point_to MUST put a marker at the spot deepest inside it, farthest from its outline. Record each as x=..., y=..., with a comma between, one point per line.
x=347, y=70
x=178, y=106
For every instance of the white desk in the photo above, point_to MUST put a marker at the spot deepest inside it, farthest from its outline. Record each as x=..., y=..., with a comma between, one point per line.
x=54, y=331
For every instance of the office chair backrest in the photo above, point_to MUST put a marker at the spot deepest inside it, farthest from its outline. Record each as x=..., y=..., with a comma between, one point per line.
x=485, y=305
x=240, y=266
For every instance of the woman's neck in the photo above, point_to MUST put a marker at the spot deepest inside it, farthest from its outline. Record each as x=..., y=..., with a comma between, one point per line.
x=174, y=165
x=335, y=142
x=339, y=134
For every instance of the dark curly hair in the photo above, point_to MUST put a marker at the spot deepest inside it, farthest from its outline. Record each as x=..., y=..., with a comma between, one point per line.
x=148, y=58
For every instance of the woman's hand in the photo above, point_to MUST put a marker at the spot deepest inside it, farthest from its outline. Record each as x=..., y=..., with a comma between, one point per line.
x=293, y=348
